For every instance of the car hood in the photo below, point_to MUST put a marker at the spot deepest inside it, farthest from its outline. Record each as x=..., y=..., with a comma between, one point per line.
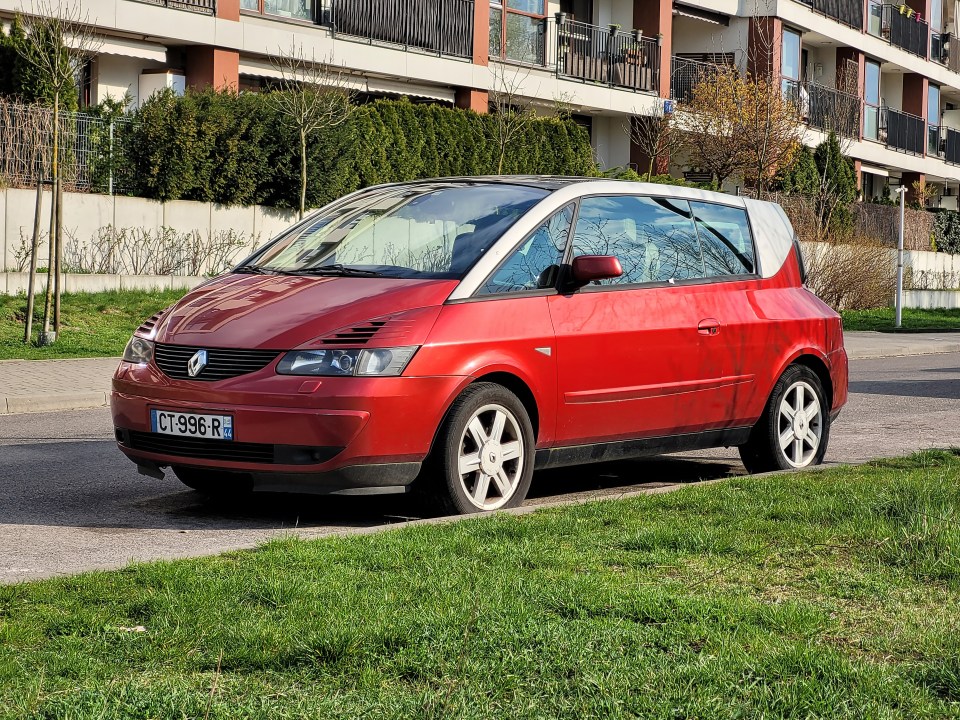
x=280, y=312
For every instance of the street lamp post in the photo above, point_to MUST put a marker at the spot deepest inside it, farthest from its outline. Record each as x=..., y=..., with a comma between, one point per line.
x=899, y=299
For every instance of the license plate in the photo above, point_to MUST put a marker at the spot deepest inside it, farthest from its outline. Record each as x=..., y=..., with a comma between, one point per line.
x=212, y=427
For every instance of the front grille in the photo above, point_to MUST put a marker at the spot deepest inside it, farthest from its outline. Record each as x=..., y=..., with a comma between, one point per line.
x=222, y=363
x=200, y=447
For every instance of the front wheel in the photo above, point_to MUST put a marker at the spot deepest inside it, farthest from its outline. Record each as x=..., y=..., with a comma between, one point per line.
x=483, y=457
x=794, y=429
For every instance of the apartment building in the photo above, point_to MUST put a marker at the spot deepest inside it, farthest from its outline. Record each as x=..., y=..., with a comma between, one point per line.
x=602, y=59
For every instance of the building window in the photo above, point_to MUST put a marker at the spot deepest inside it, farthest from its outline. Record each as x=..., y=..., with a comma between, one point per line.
x=871, y=101
x=295, y=9
x=933, y=121
x=518, y=30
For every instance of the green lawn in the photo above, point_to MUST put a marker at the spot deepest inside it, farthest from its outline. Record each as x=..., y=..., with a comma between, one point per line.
x=913, y=320
x=94, y=324
x=833, y=594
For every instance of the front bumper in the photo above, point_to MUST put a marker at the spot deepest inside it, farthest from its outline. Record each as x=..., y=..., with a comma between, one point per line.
x=324, y=434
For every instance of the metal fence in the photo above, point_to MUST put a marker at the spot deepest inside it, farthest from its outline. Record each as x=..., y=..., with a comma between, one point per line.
x=686, y=74
x=607, y=55
x=904, y=31
x=91, y=148
x=849, y=12
x=208, y=7
x=904, y=131
x=441, y=26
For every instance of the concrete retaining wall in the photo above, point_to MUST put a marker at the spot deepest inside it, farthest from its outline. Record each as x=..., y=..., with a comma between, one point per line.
x=931, y=299
x=85, y=214
x=15, y=283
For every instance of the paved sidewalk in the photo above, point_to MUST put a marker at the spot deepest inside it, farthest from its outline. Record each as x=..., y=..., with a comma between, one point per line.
x=51, y=385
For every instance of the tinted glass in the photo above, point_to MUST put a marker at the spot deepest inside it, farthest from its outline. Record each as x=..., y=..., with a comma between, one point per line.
x=654, y=238
x=525, y=38
x=933, y=105
x=872, y=83
x=431, y=230
x=534, y=7
x=791, y=55
x=527, y=268
x=724, y=238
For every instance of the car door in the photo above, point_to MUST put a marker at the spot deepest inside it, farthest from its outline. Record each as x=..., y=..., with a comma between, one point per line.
x=635, y=354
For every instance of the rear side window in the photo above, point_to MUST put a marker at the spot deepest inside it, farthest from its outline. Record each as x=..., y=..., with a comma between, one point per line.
x=725, y=239
x=654, y=238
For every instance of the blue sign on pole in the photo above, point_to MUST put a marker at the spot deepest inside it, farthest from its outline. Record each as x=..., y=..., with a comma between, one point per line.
x=668, y=107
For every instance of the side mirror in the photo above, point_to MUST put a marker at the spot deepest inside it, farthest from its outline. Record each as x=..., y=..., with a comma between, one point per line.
x=587, y=268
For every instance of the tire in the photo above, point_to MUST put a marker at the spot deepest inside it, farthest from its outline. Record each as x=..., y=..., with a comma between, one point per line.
x=214, y=483
x=773, y=443
x=494, y=474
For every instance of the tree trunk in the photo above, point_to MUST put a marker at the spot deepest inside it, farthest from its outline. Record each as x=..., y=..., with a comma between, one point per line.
x=52, y=239
x=650, y=168
x=34, y=243
x=58, y=276
x=303, y=171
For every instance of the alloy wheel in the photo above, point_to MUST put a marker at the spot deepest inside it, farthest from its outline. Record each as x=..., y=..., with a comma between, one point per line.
x=800, y=424
x=491, y=455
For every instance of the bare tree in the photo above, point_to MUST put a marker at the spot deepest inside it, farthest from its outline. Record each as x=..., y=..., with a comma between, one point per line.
x=656, y=135
x=512, y=113
x=312, y=96
x=59, y=41
x=710, y=122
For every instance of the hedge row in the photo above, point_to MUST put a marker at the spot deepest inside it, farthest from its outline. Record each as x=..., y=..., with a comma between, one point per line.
x=236, y=149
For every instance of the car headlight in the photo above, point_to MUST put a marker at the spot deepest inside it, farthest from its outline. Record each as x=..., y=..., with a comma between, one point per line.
x=138, y=350
x=380, y=362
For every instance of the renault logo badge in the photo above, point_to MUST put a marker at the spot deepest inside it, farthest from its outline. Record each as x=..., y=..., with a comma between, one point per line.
x=197, y=363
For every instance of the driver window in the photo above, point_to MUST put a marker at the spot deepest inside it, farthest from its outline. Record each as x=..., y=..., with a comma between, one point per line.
x=534, y=264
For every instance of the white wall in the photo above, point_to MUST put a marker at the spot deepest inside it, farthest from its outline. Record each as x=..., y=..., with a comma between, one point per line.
x=891, y=89
x=117, y=75
x=610, y=143
x=85, y=214
x=826, y=58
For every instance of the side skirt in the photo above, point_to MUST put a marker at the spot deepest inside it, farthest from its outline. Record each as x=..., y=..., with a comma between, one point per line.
x=644, y=447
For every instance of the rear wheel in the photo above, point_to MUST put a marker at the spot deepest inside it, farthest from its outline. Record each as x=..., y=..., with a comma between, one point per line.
x=795, y=426
x=214, y=483
x=483, y=456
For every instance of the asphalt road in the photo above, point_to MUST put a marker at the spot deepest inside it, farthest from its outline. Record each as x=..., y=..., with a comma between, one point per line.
x=69, y=501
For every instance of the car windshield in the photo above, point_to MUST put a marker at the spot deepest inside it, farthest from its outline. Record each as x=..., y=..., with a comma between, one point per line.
x=435, y=230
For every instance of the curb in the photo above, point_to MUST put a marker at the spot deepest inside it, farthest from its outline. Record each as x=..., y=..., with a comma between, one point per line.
x=16, y=404
x=937, y=348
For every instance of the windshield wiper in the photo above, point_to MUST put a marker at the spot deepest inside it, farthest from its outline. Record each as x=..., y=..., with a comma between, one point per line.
x=336, y=269
x=251, y=270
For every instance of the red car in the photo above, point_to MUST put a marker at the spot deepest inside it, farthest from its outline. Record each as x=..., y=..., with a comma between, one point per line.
x=455, y=335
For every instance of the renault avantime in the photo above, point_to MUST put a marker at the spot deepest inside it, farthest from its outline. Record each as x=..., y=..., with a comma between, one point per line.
x=453, y=336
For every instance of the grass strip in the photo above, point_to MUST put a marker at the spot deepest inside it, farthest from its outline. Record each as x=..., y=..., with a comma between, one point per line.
x=94, y=324
x=914, y=320
x=832, y=594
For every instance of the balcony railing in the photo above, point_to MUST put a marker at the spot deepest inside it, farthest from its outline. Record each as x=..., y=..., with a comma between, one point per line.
x=940, y=47
x=903, y=131
x=849, y=12
x=208, y=7
x=686, y=74
x=952, y=149
x=895, y=26
x=936, y=140
x=826, y=108
x=607, y=55
x=444, y=27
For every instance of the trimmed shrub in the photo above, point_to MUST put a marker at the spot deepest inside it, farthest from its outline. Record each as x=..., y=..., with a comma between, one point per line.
x=233, y=149
x=946, y=231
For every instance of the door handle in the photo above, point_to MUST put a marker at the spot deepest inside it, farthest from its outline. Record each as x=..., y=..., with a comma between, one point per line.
x=710, y=326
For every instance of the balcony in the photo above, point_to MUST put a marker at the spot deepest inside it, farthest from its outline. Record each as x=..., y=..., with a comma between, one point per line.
x=607, y=55
x=849, y=12
x=208, y=7
x=825, y=108
x=902, y=131
x=444, y=27
x=686, y=74
x=940, y=48
x=900, y=27
x=952, y=146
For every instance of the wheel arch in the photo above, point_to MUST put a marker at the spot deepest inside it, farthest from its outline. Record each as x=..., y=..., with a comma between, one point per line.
x=820, y=369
